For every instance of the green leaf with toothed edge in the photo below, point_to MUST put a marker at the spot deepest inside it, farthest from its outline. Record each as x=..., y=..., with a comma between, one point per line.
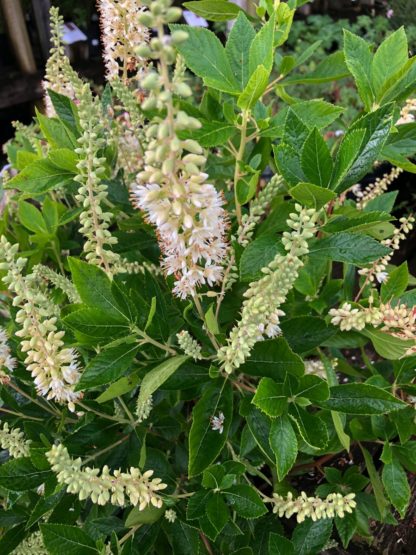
x=284, y=444
x=270, y=397
x=360, y=398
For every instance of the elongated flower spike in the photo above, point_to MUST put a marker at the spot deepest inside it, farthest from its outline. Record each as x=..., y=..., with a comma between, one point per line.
x=13, y=439
x=172, y=189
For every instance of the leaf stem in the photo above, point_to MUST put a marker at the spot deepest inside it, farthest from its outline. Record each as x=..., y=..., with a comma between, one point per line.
x=239, y=160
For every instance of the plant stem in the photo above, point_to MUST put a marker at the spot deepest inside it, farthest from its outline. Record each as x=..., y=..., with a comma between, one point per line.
x=116, y=444
x=103, y=415
x=126, y=410
x=21, y=392
x=148, y=339
x=20, y=415
x=239, y=159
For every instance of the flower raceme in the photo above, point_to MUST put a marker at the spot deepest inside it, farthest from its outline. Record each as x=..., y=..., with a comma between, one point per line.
x=104, y=486
x=315, y=508
x=14, y=441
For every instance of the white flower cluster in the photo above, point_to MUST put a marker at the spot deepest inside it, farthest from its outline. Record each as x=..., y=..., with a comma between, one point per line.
x=7, y=361
x=32, y=545
x=103, y=486
x=55, y=368
x=172, y=190
x=170, y=515
x=315, y=508
x=13, y=439
x=406, y=114
x=374, y=190
x=378, y=269
x=189, y=345
x=261, y=313
x=317, y=368
x=121, y=33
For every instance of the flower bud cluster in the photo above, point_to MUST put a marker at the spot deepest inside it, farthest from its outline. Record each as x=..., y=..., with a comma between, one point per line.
x=172, y=190
x=32, y=545
x=92, y=193
x=59, y=75
x=374, y=190
x=7, y=361
x=122, y=33
x=104, y=486
x=189, y=345
x=315, y=508
x=45, y=273
x=399, y=320
x=378, y=269
x=14, y=441
x=261, y=313
x=317, y=368
x=143, y=410
x=54, y=367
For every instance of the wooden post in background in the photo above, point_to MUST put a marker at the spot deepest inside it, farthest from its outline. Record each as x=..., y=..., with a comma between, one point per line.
x=18, y=35
x=41, y=12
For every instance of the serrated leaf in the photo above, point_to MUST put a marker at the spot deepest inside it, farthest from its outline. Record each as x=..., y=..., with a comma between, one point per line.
x=71, y=540
x=316, y=160
x=359, y=59
x=279, y=545
x=311, y=195
x=118, y=388
x=270, y=397
x=348, y=247
x=258, y=254
x=254, y=89
x=217, y=512
x=261, y=49
x=284, y=445
x=304, y=333
x=39, y=177
x=245, y=501
x=211, y=133
x=273, y=358
x=21, y=475
x=205, y=444
x=381, y=501
x=396, y=283
x=31, y=217
x=347, y=153
x=360, y=398
x=311, y=427
x=397, y=486
x=238, y=47
x=288, y=163
x=316, y=113
x=259, y=426
x=394, y=49
x=346, y=527
x=309, y=537
x=386, y=345
x=205, y=56
x=332, y=68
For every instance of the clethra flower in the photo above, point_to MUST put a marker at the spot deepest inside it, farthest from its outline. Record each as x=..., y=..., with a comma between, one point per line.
x=381, y=277
x=6, y=359
x=217, y=423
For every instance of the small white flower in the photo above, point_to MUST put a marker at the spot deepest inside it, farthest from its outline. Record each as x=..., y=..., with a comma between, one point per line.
x=381, y=277
x=217, y=423
x=170, y=515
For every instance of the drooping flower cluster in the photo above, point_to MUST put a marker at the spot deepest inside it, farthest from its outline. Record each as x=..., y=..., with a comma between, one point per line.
x=104, y=486
x=375, y=189
x=378, y=269
x=315, y=508
x=55, y=368
x=121, y=33
x=13, y=439
x=189, y=345
x=172, y=190
x=261, y=313
x=32, y=545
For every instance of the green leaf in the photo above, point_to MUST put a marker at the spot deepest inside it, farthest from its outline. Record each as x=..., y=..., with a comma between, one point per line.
x=360, y=222
x=55, y=132
x=309, y=537
x=107, y=366
x=247, y=187
x=382, y=503
x=273, y=358
x=396, y=284
x=346, y=527
x=288, y=163
x=63, y=158
x=40, y=177
x=279, y=545
x=316, y=160
x=383, y=203
x=284, y=445
x=349, y=247
x=254, y=89
x=391, y=56
x=197, y=504
x=296, y=131
x=184, y=539
x=245, y=501
x=71, y=540
x=348, y=151
x=359, y=59
x=157, y=377
x=259, y=426
x=217, y=512
x=148, y=515
x=211, y=133
x=92, y=325
x=332, y=68
x=237, y=49
x=360, y=398
x=304, y=333
x=118, y=388
x=311, y=195
x=270, y=397
x=205, y=56
x=313, y=388
x=261, y=49
x=214, y=10
x=397, y=486
x=311, y=427
x=65, y=110
x=205, y=444
x=32, y=218
x=257, y=255
x=94, y=287
x=21, y=475
x=44, y=506
x=386, y=345
x=316, y=113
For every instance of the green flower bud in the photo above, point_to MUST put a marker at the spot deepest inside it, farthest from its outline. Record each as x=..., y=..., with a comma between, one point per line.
x=151, y=81
x=172, y=15
x=146, y=19
x=179, y=36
